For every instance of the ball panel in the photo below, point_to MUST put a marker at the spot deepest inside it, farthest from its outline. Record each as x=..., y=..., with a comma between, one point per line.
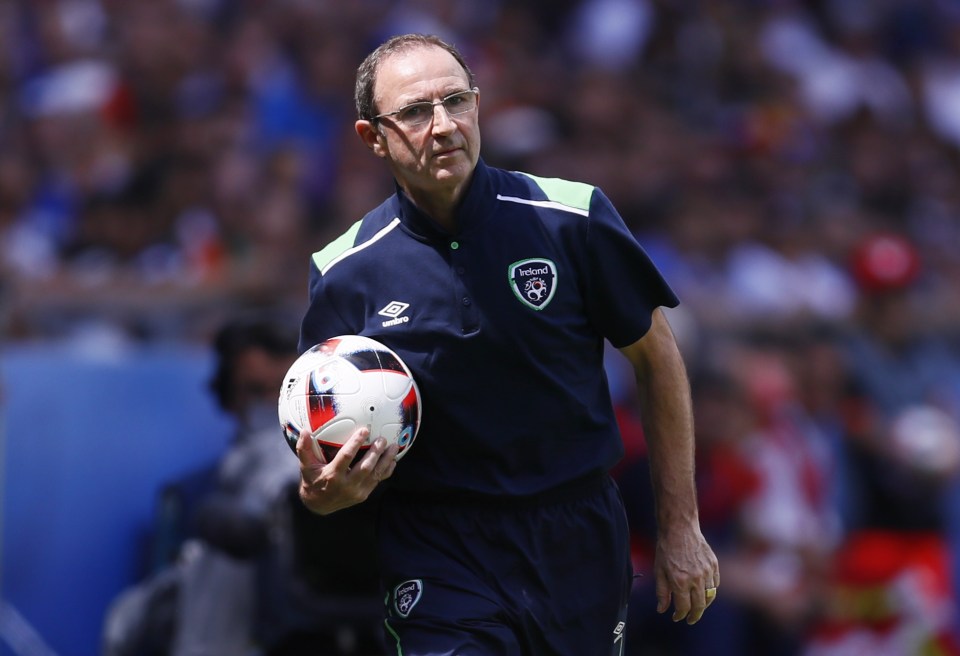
x=363, y=360
x=334, y=376
x=396, y=384
x=330, y=451
x=336, y=432
x=322, y=409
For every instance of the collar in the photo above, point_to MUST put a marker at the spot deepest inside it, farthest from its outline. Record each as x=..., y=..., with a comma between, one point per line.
x=476, y=206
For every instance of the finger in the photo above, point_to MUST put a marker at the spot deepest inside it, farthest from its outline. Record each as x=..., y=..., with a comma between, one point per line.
x=699, y=605
x=711, y=591
x=663, y=594
x=386, y=463
x=350, y=449
x=391, y=455
x=306, y=452
x=368, y=463
x=710, y=594
x=695, y=614
x=681, y=605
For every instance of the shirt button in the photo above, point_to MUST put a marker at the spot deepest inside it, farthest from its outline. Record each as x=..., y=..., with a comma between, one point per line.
x=454, y=245
x=466, y=300
x=461, y=270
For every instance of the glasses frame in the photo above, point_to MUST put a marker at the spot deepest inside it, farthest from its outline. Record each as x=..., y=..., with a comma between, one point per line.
x=432, y=104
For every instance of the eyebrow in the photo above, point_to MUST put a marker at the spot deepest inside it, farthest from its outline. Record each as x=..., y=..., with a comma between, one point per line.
x=446, y=94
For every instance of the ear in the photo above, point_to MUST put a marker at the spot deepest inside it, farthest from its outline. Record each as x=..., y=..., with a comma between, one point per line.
x=370, y=136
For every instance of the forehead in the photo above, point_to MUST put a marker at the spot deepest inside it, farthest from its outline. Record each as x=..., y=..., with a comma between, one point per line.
x=418, y=73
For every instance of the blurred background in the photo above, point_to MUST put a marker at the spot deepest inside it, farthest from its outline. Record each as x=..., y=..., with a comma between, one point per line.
x=167, y=166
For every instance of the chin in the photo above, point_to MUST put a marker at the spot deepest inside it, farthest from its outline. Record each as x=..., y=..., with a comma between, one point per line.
x=448, y=176
x=458, y=167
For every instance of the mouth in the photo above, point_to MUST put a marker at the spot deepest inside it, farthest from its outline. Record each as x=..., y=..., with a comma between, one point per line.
x=446, y=152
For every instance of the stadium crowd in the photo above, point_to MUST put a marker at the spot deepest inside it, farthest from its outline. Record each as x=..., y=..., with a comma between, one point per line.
x=791, y=166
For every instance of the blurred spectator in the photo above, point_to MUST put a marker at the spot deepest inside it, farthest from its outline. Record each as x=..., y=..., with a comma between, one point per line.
x=247, y=570
x=836, y=80
x=787, y=525
x=891, y=584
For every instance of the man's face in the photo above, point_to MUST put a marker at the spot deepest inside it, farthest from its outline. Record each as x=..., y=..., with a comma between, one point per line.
x=258, y=375
x=440, y=154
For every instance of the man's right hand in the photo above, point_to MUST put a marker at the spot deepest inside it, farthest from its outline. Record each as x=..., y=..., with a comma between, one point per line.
x=326, y=487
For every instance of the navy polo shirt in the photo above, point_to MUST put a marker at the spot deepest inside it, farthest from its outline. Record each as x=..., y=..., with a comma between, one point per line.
x=501, y=323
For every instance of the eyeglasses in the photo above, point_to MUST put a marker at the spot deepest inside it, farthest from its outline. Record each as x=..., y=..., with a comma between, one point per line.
x=418, y=114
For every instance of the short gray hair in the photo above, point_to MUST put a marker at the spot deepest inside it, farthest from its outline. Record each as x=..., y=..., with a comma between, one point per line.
x=367, y=72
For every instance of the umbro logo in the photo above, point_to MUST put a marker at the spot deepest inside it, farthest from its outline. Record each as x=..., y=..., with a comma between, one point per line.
x=393, y=310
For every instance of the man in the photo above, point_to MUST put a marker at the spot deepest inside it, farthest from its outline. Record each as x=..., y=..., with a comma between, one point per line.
x=500, y=532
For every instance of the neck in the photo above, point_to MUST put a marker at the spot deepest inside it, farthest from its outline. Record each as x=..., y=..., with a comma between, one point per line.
x=440, y=205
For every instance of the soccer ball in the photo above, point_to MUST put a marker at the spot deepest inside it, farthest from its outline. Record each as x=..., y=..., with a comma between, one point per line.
x=346, y=383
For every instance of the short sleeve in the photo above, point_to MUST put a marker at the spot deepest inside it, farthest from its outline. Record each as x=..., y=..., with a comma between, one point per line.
x=624, y=286
x=321, y=320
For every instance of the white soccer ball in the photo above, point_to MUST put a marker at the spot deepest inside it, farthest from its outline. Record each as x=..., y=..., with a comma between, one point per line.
x=346, y=383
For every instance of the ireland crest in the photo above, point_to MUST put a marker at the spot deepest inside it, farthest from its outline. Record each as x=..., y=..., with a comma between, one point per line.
x=533, y=281
x=406, y=595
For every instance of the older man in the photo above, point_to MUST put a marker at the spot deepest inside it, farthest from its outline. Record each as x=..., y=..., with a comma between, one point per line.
x=501, y=531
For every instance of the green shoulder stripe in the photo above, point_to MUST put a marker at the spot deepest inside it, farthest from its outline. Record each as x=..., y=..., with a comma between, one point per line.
x=336, y=248
x=565, y=192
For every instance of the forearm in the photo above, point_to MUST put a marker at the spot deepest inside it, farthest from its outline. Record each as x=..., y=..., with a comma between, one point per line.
x=667, y=415
x=665, y=409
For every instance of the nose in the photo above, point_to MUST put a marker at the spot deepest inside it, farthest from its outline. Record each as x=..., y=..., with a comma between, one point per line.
x=442, y=122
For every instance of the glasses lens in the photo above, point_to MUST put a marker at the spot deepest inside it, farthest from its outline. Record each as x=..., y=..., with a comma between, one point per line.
x=416, y=114
x=460, y=103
